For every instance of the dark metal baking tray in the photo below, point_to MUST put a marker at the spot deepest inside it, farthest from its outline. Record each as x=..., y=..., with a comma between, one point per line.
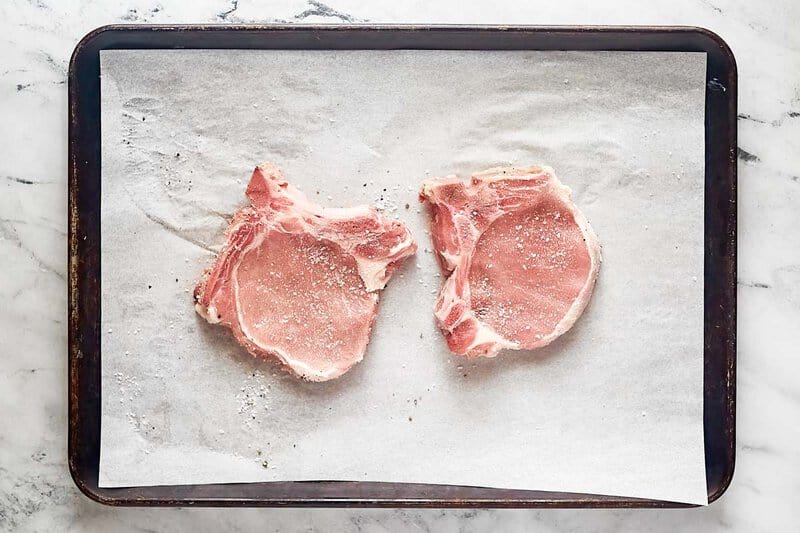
x=85, y=234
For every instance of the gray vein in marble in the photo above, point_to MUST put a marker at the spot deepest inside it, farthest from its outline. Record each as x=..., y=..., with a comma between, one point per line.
x=746, y=156
x=745, y=116
x=32, y=371
x=753, y=160
x=16, y=505
x=39, y=4
x=752, y=24
x=754, y=284
x=749, y=486
x=9, y=71
x=712, y=6
x=321, y=10
x=40, y=455
x=131, y=16
x=234, y=5
x=25, y=181
x=134, y=15
x=27, y=85
x=57, y=66
x=777, y=122
x=759, y=448
x=7, y=231
x=40, y=223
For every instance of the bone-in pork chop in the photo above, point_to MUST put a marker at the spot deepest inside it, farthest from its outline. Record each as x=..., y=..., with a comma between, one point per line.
x=300, y=282
x=522, y=259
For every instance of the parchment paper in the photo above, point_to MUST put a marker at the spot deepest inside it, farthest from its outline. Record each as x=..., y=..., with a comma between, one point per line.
x=613, y=407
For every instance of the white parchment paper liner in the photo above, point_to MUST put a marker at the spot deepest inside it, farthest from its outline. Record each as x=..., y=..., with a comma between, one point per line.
x=613, y=407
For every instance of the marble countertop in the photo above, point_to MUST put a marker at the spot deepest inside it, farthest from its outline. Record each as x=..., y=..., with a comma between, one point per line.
x=36, y=492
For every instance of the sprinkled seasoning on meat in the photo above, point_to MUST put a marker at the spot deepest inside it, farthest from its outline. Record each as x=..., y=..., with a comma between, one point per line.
x=299, y=282
x=522, y=260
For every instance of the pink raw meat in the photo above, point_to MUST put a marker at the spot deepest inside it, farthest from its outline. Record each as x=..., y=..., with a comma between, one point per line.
x=300, y=282
x=522, y=259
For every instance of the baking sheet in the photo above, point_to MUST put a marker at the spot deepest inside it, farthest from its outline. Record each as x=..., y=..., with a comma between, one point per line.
x=613, y=407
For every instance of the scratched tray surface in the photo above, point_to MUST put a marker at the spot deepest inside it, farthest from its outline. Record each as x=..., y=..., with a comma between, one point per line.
x=166, y=183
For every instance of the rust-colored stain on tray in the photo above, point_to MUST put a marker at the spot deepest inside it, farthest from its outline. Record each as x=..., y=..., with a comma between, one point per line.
x=84, y=251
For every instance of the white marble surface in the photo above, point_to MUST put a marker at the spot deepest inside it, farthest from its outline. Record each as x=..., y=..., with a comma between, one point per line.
x=36, y=493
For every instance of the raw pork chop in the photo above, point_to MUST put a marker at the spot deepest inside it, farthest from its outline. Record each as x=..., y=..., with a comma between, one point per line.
x=300, y=282
x=522, y=259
